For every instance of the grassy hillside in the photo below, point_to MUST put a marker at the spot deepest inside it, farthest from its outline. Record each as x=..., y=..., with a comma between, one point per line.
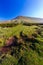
x=26, y=48
x=23, y=19
x=28, y=19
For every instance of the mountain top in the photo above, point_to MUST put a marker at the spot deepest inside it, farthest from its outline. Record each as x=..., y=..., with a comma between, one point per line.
x=29, y=19
x=24, y=19
x=20, y=17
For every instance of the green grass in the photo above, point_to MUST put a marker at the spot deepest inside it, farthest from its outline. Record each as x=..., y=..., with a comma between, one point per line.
x=16, y=30
x=5, y=33
x=26, y=55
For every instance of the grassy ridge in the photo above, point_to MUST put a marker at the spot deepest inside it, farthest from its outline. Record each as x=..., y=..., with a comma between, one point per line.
x=29, y=52
x=10, y=31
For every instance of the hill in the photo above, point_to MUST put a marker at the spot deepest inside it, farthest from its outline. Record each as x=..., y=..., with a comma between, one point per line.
x=24, y=19
x=21, y=45
x=20, y=42
x=29, y=19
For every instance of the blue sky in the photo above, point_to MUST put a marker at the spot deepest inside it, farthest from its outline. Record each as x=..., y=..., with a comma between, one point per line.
x=11, y=8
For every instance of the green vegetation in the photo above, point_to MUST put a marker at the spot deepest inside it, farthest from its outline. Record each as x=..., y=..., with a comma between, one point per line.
x=27, y=49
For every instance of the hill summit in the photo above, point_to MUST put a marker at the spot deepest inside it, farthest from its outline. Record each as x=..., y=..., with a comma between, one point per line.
x=29, y=19
x=25, y=19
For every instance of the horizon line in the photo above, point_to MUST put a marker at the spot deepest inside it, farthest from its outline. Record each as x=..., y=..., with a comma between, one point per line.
x=3, y=19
